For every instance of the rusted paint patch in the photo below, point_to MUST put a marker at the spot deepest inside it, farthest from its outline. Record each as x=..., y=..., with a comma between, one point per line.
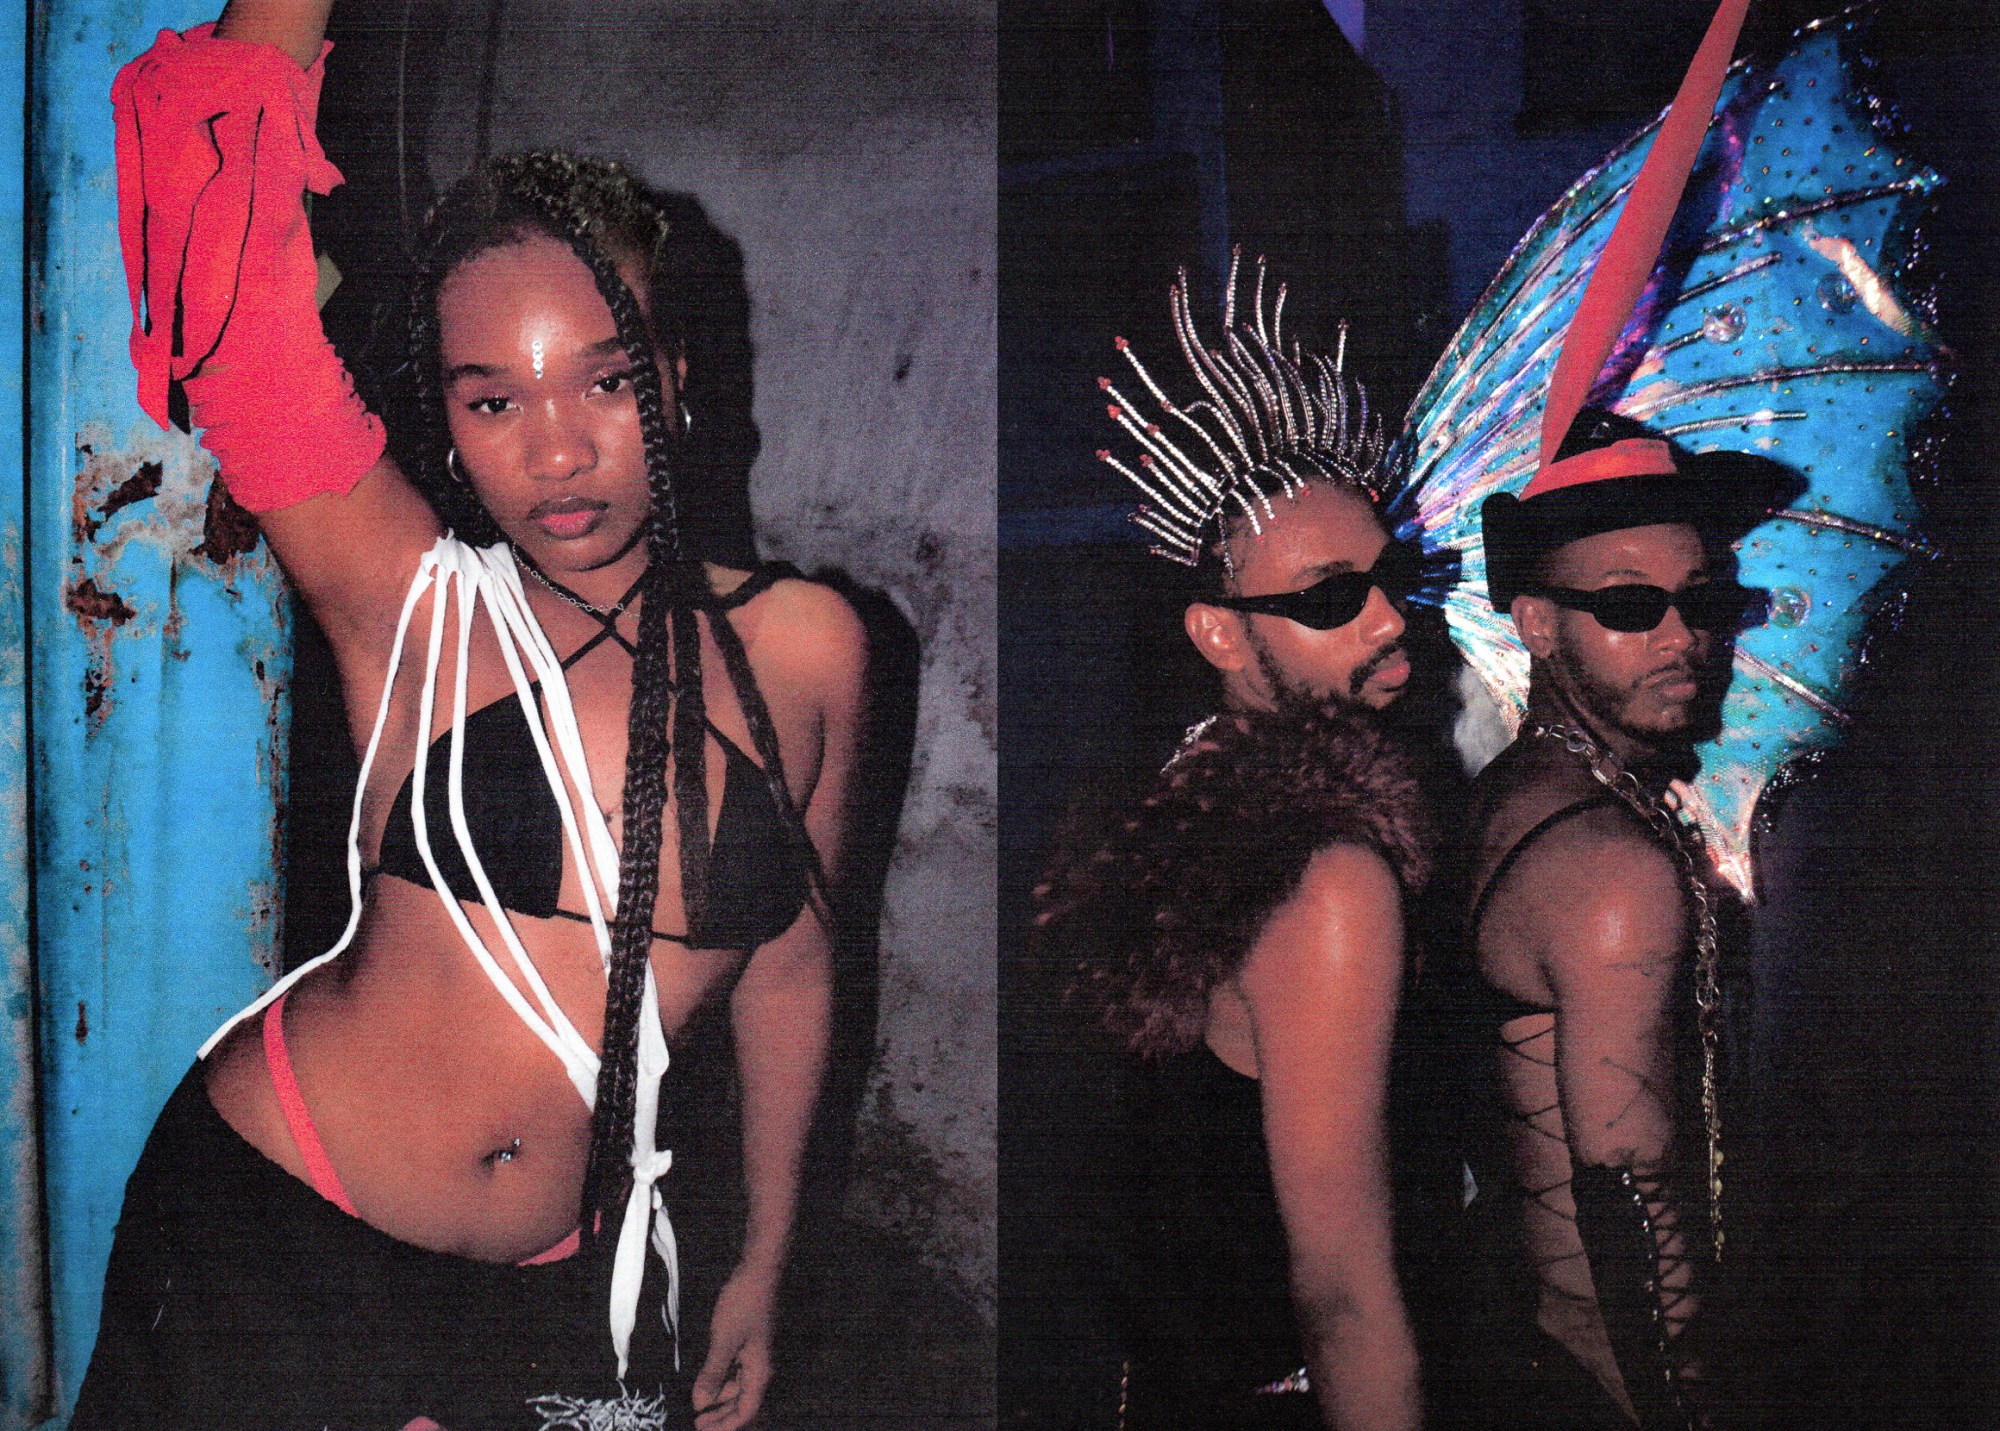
x=264, y=916
x=174, y=627
x=177, y=482
x=270, y=662
x=101, y=613
x=96, y=694
x=106, y=483
x=87, y=601
x=227, y=530
x=156, y=491
x=140, y=486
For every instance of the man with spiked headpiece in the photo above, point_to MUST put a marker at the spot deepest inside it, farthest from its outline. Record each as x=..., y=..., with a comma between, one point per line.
x=1268, y=486
x=1241, y=929
x=1591, y=907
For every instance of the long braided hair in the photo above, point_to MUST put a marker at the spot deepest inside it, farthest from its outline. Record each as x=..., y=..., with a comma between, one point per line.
x=602, y=213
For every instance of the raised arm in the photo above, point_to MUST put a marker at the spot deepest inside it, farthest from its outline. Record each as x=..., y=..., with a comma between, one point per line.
x=295, y=26
x=782, y=1005
x=1614, y=958
x=1322, y=983
x=216, y=152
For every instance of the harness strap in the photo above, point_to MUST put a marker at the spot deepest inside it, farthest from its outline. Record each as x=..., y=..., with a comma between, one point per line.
x=1520, y=847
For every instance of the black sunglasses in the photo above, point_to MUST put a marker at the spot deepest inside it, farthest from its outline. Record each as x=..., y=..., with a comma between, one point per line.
x=1338, y=599
x=1711, y=606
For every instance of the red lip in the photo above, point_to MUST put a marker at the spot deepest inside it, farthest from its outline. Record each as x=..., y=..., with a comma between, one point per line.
x=1386, y=671
x=567, y=518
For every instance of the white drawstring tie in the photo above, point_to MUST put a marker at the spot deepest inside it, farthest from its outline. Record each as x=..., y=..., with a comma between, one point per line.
x=489, y=575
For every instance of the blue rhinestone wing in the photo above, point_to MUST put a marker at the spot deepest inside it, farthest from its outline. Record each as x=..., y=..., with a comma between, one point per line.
x=1782, y=321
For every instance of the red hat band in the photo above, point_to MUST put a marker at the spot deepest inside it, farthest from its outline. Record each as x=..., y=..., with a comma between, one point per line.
x=1631, y=457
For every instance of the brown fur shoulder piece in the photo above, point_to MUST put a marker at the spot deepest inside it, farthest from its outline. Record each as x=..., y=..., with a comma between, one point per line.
x=1156, y=909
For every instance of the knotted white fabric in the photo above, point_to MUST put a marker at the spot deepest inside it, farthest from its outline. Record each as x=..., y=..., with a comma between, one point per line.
x=645, y=1202
x=459, y=579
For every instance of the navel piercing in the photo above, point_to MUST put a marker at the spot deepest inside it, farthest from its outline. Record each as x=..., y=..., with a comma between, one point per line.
x=508, y=1153
x=535, y=355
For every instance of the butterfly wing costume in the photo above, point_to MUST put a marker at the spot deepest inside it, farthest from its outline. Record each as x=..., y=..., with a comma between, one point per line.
x=1781, y=319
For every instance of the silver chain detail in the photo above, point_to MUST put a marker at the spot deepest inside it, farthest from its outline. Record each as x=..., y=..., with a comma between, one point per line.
x=1194, y=733
x=1685, y=842
x=606, y=614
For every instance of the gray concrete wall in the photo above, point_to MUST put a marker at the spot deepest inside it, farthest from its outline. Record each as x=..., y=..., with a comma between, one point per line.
x=849, y=148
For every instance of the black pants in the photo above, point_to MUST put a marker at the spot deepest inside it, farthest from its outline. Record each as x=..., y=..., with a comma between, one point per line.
x=1518, y=1378
x=236, y=1297
x=1159, y=1398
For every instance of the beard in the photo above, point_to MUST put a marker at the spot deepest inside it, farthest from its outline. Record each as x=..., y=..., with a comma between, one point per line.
x=1671, y=729
x=1294, y=696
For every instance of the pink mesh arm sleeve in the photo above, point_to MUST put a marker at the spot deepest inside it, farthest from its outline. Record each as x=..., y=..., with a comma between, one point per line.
x=215, y=151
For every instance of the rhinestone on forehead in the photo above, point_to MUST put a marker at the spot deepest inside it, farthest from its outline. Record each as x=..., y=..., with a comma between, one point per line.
x=1269, y=422
x=535, y=355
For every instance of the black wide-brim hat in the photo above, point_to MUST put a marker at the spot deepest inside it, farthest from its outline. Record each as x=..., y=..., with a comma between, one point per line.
x=1721, y=494
x=1599, y=471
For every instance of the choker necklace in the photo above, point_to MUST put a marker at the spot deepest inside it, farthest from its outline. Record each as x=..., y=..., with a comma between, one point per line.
x=1685, y=842
x=605, y=614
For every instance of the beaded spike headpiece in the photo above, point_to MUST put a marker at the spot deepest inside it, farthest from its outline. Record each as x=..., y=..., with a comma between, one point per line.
x=1271, y=422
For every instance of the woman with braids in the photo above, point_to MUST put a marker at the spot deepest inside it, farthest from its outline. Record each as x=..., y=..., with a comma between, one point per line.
x=434, y=1178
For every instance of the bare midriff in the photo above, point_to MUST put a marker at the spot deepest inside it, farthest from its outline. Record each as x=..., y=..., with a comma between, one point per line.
x=420, y=1078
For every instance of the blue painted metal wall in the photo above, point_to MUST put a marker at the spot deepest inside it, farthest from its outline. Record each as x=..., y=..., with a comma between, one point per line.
x=23, y=1285
x=159, y=657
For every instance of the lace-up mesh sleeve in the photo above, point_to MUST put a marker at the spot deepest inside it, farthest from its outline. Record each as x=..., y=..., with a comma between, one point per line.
x=1620, y=976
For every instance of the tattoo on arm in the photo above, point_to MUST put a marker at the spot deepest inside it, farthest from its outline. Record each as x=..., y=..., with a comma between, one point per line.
x=1646, y=966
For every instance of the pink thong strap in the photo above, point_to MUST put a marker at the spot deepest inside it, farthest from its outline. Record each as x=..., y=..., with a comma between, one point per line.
x=298, y=1118
x=319, y=1168
x=566, y=1248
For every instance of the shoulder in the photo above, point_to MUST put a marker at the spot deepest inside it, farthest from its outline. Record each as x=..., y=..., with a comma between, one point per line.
x=1603, y=889
x=810, y=608
x=1604, y=855
x=1348, y=880
x=1343, y=921
x=1568, y=829
x=802, y=632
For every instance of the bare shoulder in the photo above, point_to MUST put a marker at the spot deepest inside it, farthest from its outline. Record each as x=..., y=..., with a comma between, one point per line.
x=804, y=636
x=1603, y=856
x=808, y=609
x=1349, y=881
x=1344, y=920
x=1606, y=891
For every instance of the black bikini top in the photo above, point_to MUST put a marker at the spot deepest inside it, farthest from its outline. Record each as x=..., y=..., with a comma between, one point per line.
x=757, y=884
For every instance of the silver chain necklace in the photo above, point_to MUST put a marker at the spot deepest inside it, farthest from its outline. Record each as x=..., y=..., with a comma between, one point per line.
x=606, y=614
x=1685, y=842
